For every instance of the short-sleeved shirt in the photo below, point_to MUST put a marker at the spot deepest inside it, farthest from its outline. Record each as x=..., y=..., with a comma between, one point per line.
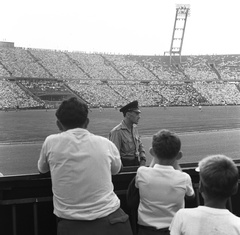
x=205, y=220
x=162, y=190
x=128, y=142
x=81, y=166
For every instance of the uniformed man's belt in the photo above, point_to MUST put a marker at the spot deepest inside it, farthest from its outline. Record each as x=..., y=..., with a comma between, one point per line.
x=130, y=161
x=129, y=157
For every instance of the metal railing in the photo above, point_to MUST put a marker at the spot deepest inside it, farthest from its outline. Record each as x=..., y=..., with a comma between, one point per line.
x=26, y=203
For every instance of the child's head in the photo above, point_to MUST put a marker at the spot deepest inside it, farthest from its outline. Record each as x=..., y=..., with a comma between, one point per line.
x=72, y=113
x=218, y=176
x=166, y=145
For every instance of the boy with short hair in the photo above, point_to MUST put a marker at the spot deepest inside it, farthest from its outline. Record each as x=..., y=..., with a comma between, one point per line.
x=162, y=186
x=218, y=181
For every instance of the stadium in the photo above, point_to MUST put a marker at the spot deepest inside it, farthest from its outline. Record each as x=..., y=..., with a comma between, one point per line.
x=170, y=89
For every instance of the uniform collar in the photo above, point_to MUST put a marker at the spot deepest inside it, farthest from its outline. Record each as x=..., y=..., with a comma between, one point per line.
x=124, y=126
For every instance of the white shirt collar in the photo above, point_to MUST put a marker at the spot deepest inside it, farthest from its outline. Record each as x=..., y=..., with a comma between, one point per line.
x=158, y=166
x=77, y=130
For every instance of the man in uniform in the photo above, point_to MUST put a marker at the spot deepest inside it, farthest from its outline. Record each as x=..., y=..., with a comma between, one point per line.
x=125, y=136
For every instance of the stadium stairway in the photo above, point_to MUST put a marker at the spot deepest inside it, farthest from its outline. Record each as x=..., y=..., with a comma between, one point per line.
x=38, y=61
x=212, y=66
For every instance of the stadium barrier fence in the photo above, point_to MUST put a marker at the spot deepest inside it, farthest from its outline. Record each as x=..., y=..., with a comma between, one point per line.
x=26, y=202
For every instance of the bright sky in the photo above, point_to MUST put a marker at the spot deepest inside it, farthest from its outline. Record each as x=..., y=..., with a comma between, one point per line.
x=141, y=27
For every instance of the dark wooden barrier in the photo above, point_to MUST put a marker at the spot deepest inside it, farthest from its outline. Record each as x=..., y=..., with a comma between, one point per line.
x=26, y=202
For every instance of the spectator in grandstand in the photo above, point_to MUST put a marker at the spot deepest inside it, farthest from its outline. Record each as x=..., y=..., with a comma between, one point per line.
x=218, y=181
x=81, y=165
x=166, y=182
x=125, y=136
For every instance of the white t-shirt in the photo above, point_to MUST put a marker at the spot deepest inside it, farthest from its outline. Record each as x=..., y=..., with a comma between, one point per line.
x=81, y=166
x=205, y=221
x=162, y=190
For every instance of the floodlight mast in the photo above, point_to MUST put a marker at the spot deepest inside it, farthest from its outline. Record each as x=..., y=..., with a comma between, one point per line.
x=182, y=12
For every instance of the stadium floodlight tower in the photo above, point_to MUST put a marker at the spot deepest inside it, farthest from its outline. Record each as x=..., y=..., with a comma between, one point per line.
x=182, y=12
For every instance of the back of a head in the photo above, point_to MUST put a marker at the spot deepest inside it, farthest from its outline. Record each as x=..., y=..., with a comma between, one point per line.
x=72, y=113
x=219, y=176
x=166, y=144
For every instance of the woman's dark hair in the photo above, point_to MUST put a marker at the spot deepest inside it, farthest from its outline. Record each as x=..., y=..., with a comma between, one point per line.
x=72, y=113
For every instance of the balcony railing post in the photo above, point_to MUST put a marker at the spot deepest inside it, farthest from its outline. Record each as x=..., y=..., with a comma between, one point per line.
x=35, y=218
x=14, y=219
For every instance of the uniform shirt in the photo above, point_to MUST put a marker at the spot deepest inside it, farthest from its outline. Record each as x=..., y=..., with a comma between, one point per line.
x=128, y=143
x=205, y=220
x=162, y=190
x=81, y=166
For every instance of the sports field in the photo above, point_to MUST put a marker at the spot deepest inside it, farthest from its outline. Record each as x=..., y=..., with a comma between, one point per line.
x=212, y=131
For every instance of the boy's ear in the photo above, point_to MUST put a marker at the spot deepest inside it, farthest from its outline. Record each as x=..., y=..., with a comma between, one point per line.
x=86, y=123
x=151, y=151
x=200, y=186
x=60, y=126
x=235, y=189
x=179, y=155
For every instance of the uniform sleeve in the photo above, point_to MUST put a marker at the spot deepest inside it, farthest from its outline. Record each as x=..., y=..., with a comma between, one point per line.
x=176, y=224
x=142, y=154
x=115, y=137
x=189, y=186
x=116, y=163
x=141, y=150
x=43, y=166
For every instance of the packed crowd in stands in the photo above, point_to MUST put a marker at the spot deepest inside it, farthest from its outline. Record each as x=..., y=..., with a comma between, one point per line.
x=217, y=93
x=12, y=96
x=197, y=68
x=112, y=80
x=43, y=86
x=137, y=91
x=95, y=66
x=130, y=69
x=229, y=67
x=162, y=69
x=20, y=63
x=96, y=93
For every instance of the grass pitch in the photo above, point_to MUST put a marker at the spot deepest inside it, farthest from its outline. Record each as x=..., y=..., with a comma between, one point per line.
x=212, y=131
